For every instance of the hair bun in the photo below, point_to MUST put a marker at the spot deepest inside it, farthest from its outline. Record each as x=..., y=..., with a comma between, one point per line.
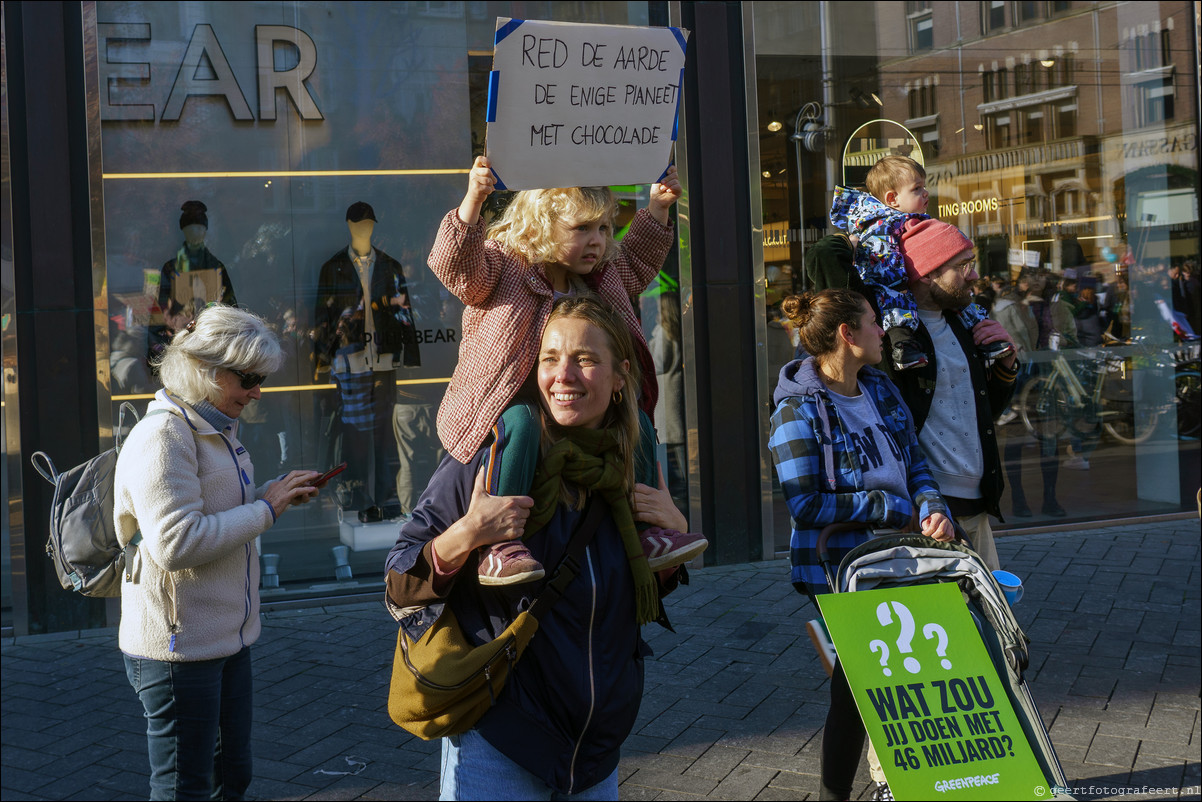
x=797, y=308
x=818, y=316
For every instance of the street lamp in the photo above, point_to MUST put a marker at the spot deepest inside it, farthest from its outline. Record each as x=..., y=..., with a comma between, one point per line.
x=808, y=130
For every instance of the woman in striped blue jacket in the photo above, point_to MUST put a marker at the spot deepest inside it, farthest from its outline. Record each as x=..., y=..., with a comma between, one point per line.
x=845, y=449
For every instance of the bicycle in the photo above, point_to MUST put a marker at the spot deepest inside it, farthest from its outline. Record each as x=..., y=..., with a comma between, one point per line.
x=1049, y=405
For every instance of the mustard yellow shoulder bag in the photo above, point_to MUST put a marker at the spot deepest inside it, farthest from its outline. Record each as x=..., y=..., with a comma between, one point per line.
x=442, y=685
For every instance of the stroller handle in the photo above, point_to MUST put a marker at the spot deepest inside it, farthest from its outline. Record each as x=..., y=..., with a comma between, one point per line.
x=824, y=558
x=833, y=529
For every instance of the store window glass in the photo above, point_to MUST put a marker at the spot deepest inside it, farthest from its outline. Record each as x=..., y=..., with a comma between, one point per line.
x=283, y=156
x=1072, y=166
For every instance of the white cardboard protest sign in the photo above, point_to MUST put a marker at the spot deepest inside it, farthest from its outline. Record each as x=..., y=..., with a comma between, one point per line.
x=571, y=104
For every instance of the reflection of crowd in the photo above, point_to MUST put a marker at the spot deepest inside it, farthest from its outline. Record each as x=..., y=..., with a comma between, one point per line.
x=1038, y=314
x=1083, y=309
x=1045, y=311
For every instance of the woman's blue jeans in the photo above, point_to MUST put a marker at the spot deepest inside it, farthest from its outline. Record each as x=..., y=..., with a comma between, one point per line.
x=473, y=769
x=198, y=720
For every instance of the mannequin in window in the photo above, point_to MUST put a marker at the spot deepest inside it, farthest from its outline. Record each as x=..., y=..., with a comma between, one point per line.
x=362, y=283
x=193, y=278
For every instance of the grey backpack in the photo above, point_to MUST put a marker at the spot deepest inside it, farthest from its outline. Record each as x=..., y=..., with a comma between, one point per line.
x=83, y=540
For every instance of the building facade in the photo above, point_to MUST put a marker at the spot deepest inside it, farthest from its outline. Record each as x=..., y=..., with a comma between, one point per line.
x=150, y=148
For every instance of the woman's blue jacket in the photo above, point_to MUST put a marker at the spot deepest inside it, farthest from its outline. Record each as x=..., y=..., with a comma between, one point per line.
x=819, y=469
x=572, y=699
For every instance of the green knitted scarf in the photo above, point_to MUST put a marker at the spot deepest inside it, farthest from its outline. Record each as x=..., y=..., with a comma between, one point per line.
x=590, y=459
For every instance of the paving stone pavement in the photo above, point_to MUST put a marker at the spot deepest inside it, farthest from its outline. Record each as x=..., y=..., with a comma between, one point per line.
x=734, y=702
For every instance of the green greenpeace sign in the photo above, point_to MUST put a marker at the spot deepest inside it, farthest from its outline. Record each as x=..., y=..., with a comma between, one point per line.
x=931, y=700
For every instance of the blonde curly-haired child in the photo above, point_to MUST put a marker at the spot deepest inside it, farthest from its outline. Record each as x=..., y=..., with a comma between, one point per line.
x=547, y=245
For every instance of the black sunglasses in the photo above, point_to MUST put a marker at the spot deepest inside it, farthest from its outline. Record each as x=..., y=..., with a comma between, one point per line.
x=249, y=380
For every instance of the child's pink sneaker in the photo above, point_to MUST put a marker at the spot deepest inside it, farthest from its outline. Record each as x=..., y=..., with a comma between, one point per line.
x=667, y=548
x=508, y=563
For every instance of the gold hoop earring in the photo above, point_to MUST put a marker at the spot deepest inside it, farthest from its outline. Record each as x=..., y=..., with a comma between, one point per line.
x=617, y=396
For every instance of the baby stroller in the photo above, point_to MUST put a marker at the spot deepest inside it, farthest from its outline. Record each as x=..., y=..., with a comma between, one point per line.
x=910, y=559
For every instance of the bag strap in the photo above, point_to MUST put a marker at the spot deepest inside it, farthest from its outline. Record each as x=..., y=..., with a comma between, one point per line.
x=45, y=466
x=569, y=567
x=119, y=435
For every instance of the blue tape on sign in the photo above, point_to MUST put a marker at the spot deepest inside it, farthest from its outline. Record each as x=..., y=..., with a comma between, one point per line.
x=506, y=29
x=494, y=78
x=676, y=118
x=500, y=184
x=679, y=38
x=662, y=175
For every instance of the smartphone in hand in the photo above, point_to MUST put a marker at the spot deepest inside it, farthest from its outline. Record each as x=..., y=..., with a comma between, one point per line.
x=330, y=474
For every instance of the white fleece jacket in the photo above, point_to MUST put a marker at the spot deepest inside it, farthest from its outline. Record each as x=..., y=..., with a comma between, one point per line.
x=193, y=589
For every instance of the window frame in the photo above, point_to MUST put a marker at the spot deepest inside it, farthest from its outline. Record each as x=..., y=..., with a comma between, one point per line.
x=912, y=22
x=988, y=7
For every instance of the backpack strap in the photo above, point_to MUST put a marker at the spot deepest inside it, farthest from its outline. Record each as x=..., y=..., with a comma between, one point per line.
x=119, y=435
x=45, y=466
x=137, y=538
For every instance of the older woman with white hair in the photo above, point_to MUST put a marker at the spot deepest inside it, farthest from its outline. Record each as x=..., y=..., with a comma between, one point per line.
x=185, y=499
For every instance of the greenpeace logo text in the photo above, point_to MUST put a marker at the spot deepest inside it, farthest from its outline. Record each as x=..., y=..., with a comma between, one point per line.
x=972, y=781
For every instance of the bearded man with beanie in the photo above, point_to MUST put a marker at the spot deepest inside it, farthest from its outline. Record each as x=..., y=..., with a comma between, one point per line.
x=956, y=397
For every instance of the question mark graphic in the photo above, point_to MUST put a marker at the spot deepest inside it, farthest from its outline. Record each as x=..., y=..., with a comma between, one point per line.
x=1009, y=744
x=884, y=650
x=930, y=631
x=907, y=632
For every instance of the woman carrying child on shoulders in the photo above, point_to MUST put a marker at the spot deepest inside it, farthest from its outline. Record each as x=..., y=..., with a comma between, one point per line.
x=556, y=729
x=549, y=244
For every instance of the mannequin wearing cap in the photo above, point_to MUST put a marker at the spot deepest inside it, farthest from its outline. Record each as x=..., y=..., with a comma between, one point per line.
x=361, y=235
x=363, y=332
x=178, y=299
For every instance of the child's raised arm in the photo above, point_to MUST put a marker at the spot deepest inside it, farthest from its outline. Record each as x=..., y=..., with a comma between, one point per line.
x=480, y=185
x=459, y=258
x=663, y=195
